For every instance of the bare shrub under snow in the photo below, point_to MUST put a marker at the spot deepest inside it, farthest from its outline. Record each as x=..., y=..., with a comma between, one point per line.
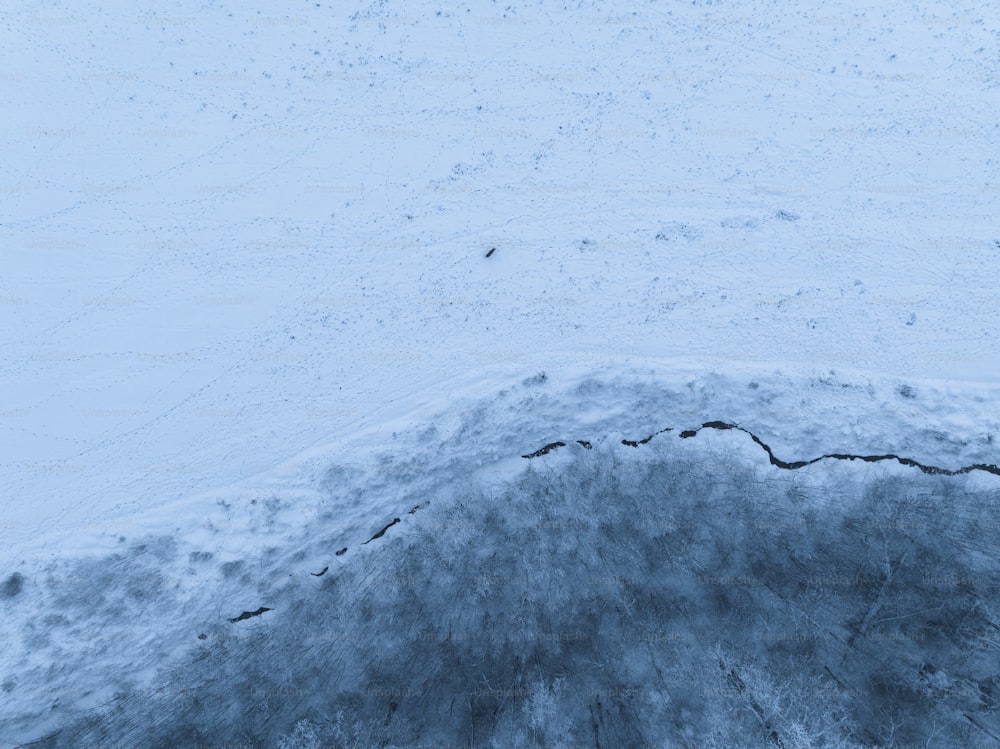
x=620, y=601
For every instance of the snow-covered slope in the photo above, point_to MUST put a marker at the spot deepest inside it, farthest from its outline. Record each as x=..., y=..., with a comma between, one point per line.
x=244, y=246
x=110, y=607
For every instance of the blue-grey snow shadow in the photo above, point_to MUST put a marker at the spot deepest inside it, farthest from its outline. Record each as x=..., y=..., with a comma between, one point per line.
x=617, y=601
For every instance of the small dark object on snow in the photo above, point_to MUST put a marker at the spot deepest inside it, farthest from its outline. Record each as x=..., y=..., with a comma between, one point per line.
x=341, y=552
x=494, y=249
x=688, y=433
x=382, y=532
x=202, y=636
x=320, y=573
x=249, y=614
x=584, y=443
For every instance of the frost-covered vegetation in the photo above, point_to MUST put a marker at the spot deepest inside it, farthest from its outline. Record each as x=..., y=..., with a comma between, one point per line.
x=615, y=599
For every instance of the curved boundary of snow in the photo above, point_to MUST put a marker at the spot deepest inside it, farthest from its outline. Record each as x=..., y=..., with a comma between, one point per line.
x=797, y=410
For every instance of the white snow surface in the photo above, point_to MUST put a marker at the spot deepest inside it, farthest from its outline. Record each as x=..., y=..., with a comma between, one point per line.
x=242, y=252
x=232, y=233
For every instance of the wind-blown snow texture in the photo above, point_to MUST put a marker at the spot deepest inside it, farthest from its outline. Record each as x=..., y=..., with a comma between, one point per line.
x=265, y=273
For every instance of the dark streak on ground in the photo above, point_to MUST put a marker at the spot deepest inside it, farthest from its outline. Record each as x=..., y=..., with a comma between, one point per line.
x=249, y=614
x=382, y=532
x=320, y=573
x=793, y=465
x=547, y=449
x=644, y=440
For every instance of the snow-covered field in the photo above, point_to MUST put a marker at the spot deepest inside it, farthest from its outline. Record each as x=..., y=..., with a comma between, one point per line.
x=245, y=298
